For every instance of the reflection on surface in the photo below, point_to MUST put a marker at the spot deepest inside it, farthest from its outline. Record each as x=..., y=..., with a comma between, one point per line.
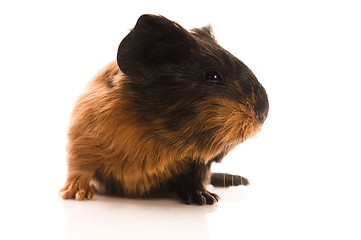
x=114, y=217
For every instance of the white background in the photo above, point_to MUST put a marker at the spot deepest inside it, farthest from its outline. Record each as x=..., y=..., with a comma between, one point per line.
x=304, y=166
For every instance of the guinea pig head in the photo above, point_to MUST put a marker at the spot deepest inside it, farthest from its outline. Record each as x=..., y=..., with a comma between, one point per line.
x=190, y=92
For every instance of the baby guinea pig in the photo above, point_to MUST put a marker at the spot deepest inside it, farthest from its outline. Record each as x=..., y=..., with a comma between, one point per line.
x=155, y=120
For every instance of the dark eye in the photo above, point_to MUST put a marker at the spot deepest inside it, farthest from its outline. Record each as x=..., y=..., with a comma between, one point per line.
x=213, y=76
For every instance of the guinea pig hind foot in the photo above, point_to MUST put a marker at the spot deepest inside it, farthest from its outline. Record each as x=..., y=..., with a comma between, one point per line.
x=228, y=180
x=77, y=188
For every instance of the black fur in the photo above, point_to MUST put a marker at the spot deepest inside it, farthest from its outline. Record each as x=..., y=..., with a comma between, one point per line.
x=168, y=64
x=189, y=185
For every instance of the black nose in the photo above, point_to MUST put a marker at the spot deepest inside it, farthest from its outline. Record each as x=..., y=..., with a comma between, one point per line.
x=261, y=109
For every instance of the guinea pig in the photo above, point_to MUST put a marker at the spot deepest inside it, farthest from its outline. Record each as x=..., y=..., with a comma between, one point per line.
x=153, y=121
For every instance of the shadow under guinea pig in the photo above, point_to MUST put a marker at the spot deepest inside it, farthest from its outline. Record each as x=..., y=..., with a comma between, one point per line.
x=106, y=217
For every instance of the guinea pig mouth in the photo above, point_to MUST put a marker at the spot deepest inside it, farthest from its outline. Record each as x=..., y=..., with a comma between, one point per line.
x=241, y=125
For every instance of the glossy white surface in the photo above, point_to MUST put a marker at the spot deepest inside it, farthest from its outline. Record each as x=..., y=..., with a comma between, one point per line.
x=304, y=166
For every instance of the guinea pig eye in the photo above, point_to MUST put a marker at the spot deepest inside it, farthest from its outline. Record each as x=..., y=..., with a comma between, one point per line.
x=213, y=76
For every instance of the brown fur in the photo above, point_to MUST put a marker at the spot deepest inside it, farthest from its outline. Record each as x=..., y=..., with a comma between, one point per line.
x=103, y=133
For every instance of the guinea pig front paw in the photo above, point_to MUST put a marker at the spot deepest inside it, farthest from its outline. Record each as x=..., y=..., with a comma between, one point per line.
x=77, y=194
x=199, y=197
x=78, y=189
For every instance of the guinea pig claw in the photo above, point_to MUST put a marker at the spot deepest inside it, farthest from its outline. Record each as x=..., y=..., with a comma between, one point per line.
x=211, y=198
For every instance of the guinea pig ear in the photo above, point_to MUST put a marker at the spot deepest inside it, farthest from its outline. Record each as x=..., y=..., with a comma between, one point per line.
x=205, y=33
x=153, y=43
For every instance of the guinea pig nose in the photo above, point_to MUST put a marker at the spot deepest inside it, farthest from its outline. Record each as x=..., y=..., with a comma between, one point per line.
x=261, y=111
